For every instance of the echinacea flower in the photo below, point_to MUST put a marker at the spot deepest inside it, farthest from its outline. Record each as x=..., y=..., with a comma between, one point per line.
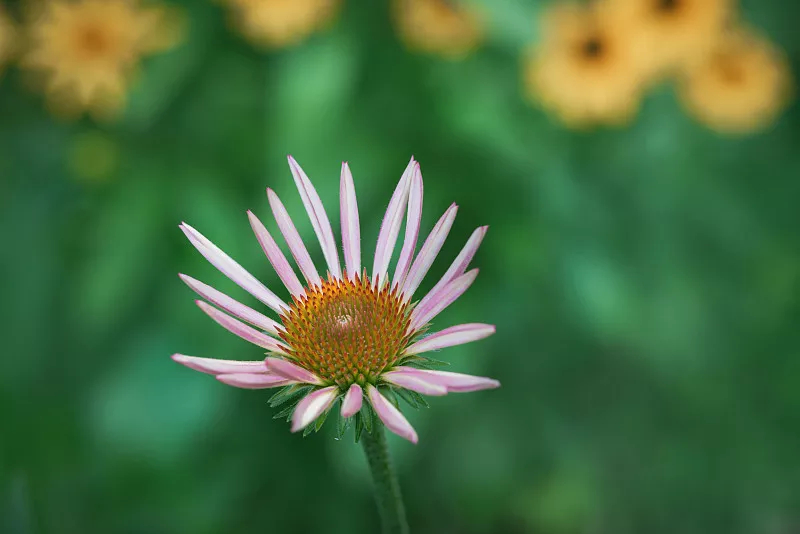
x=447, y=28
x=350, y=334
x=673, y=33
x=741, y=87
x=280, y=23
x=86, y=52
x=585, y=71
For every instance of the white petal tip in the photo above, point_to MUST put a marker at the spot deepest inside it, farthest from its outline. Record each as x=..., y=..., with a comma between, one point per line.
x=477, y=385
x=411, y=435
x=312, y=406
x=297, y=426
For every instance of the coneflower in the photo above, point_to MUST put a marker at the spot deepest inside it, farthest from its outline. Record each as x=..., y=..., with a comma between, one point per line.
x=349, y=334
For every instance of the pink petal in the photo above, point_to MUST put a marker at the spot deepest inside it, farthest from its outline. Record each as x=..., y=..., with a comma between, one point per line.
x=319, y=219
x=390, y=226
x=450, y=337
x=430, y=249
x=391, y=416
x=215, y=367
x=253, y=381
x=460, y=264
x=242, y=330
x=291, y=371
x=351, y=232
x=237, y=309
x=352, y=401
x=233, y=270
x=312, y=406
x=276, y=257
x=414, y=383
x=296, y=246
x=441, y=300
x=454, y=382
x=413, y=220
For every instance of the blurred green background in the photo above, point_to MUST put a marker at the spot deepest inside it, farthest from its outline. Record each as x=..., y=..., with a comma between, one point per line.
x=644, y=283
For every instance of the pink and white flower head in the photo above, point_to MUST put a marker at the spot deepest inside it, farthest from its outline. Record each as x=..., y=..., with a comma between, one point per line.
x=349, y=335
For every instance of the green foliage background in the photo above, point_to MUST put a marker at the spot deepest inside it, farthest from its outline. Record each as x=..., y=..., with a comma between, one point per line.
x=644, y=283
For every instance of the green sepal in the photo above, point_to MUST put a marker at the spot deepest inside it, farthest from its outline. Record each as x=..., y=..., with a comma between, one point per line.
x=342, y=423
x=366, y=409
x=422, y=362
x=321, y=420
x=286, y=412
x=308, y=430
x=412, y=398
x=359, y=426
x=288, y=393
x=388, y=392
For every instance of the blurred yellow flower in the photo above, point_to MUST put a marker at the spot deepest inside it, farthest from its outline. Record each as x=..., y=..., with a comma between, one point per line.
x=85, y=52
x=443, y=27
x=279, y=23
x=742, y=87
x=673, y=32
x=585, y=70
x=8, y=39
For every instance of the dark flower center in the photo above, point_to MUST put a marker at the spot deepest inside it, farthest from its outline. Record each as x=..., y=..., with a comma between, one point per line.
x=668, y=6
x=731, y=72
x=593, y=47
x=92, y=41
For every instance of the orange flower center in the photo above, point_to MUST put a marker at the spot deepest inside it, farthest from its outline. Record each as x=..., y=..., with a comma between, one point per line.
x=347, y=331
x=731, y=72
x=592, y=48
x=92, y=41
x=668, y=6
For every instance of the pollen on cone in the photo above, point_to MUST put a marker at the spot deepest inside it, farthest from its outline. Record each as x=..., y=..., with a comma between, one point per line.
x=347, y=331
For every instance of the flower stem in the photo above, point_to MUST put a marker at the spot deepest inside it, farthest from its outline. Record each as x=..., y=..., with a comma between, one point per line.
x=387, y=489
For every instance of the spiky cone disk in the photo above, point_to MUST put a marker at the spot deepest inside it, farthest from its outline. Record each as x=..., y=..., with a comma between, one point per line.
x=347, y=331
x=349, y=336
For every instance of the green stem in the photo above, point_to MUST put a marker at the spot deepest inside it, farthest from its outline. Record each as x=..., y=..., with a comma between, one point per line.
x=387, y=490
